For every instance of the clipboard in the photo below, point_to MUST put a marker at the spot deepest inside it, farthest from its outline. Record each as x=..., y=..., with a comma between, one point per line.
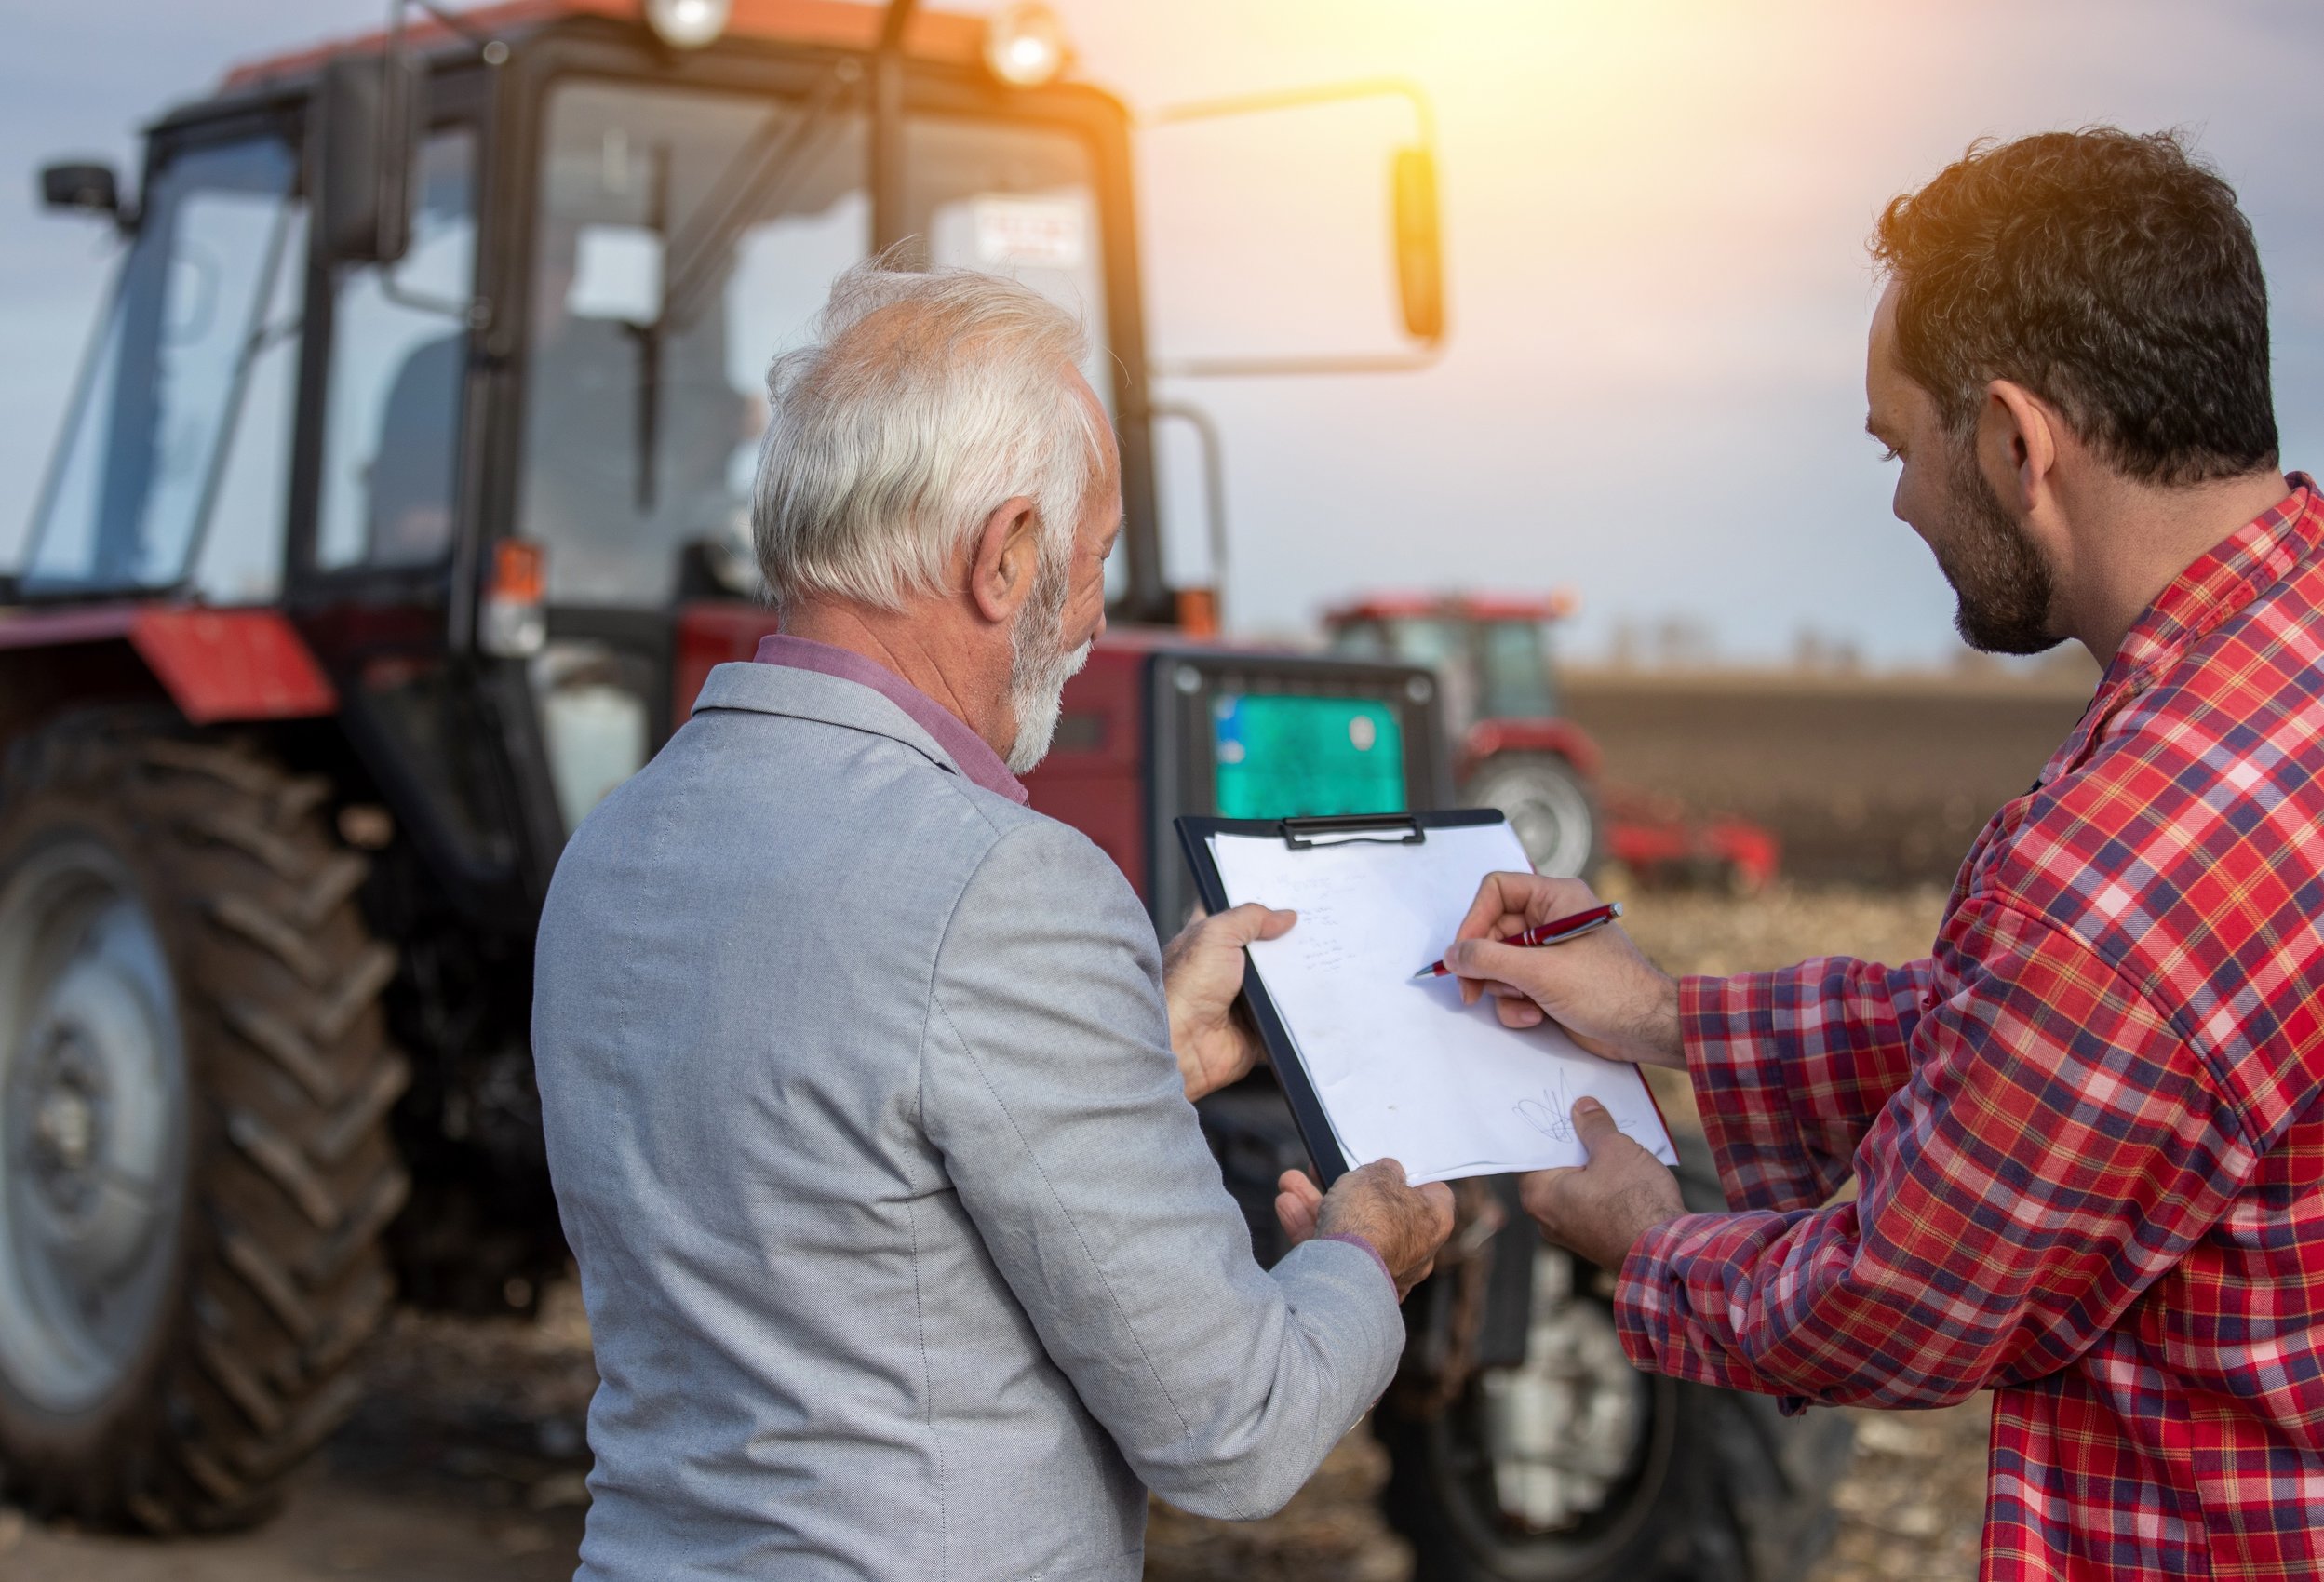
x=1300, y=834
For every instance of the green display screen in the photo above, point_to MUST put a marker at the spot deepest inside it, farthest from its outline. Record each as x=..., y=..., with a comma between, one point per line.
x=1282, y=756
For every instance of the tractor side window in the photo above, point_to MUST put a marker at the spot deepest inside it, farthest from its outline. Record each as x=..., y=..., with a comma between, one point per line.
x=149, y=457
x=399, y=349
x=1517, y=672
x=1364, y=640
x=240, y=559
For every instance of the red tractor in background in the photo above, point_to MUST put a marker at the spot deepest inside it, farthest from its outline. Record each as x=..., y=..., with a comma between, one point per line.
x=1514, y=749
x=400, y=507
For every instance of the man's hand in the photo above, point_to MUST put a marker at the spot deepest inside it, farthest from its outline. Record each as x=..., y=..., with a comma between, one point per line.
x=1201, y=976
x=1601, y=1209
x=1601, y=988
x=1404, y=1224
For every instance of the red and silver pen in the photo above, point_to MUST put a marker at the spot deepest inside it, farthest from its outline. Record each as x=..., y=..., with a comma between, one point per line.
x=1554, y=932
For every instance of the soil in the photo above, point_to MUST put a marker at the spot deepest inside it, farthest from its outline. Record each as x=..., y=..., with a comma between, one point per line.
x=465, y=1462
x=1864, y=780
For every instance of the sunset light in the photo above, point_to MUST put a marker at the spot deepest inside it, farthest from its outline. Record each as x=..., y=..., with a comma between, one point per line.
x=1157, y=790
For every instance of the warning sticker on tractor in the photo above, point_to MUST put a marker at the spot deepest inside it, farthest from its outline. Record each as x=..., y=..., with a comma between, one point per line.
x=1042, y=232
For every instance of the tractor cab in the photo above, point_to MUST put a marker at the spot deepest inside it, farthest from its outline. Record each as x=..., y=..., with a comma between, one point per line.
x=447, y=349
x=1513, y=748
x=1492, y=654
x=451, y=345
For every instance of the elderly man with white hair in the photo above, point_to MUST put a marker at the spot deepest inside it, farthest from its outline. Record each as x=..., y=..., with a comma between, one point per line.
x=866, y=1088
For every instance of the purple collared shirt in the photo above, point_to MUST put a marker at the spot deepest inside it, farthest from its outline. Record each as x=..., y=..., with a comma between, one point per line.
x=971, y=752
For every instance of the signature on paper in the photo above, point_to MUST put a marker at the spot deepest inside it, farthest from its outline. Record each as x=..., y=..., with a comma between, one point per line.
x=1552, y=1114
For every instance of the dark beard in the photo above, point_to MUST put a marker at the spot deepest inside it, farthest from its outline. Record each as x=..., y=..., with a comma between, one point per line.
x=2003, y=586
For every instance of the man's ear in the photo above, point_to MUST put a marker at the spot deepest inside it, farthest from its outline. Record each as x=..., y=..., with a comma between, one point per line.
x=1004, y=558
x=2017, y=445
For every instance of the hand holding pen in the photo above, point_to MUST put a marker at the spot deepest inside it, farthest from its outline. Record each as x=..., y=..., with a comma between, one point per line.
x=1597, y=985
x=1556, y=932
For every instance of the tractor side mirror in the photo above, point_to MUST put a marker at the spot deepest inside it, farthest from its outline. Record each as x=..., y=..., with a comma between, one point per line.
x=1226, y=254
x=364, y=139
x=89, y=187
x=1420, y=248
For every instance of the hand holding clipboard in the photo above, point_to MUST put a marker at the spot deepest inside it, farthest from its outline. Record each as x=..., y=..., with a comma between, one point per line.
x=1373, y=1065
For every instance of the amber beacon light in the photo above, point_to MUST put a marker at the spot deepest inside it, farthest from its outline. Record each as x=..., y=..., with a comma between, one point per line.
x=516, y=595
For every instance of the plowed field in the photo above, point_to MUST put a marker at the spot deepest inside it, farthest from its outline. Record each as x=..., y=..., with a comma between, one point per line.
x=1877, y=781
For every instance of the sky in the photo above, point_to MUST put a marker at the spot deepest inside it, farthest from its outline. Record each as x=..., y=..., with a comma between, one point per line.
x=1655, y=214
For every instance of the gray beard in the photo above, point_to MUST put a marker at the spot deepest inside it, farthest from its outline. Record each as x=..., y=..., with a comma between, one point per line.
x=1039, y=664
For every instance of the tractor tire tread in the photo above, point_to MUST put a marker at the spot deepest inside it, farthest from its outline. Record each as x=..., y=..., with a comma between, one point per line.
x=222, y=764
x=283, y=1162
x=294, y=1175
x=285, y=1045
x=358, y=990
x=239, y=1385
x=361, y=1115
x=274, y=933
x=360, y=1229
x=250, y=837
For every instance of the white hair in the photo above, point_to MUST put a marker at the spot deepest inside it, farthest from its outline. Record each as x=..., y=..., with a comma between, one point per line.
x=924, y=400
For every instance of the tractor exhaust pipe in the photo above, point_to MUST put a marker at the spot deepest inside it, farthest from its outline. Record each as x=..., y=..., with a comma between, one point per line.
x=887, y=127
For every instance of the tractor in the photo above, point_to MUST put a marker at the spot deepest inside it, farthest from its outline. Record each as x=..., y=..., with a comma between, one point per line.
x=399, y=512
x=1514, y=749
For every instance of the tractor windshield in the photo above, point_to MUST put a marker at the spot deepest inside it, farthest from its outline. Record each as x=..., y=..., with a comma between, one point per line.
x=197, y=337
x=686, y=236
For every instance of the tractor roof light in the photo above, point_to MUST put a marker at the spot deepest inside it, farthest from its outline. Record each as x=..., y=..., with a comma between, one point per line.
x=688, y=24
x=1024, y=45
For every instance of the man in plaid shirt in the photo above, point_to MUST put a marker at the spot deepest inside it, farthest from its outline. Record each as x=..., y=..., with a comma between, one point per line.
x=2086, y=1133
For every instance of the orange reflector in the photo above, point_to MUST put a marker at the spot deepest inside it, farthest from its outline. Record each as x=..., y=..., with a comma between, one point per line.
x=519, y=571
x=1198, y=612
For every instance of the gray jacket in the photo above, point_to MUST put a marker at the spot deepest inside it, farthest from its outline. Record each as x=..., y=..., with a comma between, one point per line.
x=904, y=1254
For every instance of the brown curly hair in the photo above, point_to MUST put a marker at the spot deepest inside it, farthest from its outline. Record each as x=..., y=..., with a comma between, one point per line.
x=2109, y=273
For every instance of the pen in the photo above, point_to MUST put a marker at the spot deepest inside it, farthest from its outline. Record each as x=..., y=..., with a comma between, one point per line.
x=1553, y=933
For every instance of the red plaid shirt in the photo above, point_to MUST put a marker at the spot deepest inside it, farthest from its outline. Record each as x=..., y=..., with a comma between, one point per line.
x=2087, y=1133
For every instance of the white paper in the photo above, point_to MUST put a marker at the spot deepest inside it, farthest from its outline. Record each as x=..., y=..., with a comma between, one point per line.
x=1404, y=1071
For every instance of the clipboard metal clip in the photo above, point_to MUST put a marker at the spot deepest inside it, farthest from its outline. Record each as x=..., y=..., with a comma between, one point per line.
x=1346, y=829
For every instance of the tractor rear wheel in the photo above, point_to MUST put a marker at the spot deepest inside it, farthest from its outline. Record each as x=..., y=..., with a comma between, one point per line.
x=1549, y=806
x=1573, y=1467
x=194, y=1083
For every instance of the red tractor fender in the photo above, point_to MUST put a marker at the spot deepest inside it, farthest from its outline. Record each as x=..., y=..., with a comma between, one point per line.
x=1752, y=852
x=217, y=666
x=711, y=633
x=1490, y=738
